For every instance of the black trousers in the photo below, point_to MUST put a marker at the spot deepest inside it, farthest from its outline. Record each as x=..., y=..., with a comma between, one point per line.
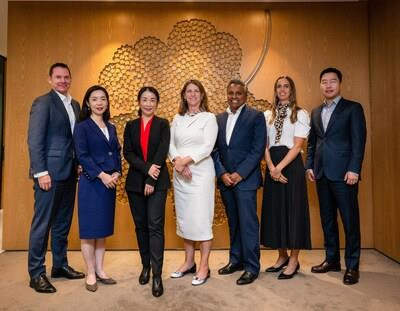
x=53, y=211
x=333, y=196
x=149, y=216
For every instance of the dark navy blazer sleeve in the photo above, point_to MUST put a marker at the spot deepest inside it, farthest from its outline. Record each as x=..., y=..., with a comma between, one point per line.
x=311, y=144
x=216, y=154
x=81, y=135
x=37, y=134
x=358, y=138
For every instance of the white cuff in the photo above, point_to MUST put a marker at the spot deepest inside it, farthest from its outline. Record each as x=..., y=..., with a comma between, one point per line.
x=37, y=175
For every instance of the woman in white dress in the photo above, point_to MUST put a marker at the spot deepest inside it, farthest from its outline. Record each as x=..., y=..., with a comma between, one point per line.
x=193, y=134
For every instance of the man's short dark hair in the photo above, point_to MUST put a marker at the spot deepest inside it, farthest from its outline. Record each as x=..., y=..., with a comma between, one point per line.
x=331, y=70
x=61, y=65
x=237, y=82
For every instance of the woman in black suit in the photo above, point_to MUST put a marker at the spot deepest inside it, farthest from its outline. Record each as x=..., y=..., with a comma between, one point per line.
x=146, y=144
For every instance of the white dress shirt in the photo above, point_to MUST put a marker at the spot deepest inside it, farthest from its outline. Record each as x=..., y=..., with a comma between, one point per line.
x=231, y=121
x=300, y=128
x=105, y=132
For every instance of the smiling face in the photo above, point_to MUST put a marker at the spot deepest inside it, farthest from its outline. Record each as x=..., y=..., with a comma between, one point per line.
x=236, y=95
x=97, y=102
x=330, y=85
x=193, y=97
x=60, y=80
x=148, y=104
x=283, y=90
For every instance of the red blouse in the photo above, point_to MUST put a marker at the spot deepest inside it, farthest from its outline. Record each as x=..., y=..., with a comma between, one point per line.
x=144, y=136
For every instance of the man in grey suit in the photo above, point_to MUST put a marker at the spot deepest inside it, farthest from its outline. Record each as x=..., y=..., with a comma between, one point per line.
x=53, y=168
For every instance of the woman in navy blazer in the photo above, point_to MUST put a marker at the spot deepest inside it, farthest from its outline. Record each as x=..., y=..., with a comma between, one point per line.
x=98, y=152
x=146, y=144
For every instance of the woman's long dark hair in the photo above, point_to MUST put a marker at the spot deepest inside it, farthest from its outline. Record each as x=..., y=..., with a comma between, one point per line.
x=86, y=112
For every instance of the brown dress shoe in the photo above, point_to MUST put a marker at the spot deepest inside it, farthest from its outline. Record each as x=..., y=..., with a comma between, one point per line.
x=326, y=267
x=351, y=277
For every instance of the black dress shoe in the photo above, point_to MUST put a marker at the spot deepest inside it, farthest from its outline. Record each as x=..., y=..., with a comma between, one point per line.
x=351, y=277
x=66, y=272
x=279, y=268
x=230, y=268
x=326, y=267
x=157, y=289
x=144, y=275
x=42, y=285
x=246, y=278
x=284, y=276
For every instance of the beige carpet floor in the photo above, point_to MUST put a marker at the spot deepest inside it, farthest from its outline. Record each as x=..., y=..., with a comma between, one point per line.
x=379, y=287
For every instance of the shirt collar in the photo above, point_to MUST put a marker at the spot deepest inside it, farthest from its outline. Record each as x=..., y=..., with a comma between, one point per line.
x=228, y=110
x=64, y=99
x=333, y=103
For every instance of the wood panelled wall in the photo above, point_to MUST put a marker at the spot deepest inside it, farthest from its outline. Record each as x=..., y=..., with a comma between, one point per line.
x=385, y=116
x=3, y=28
x=305, y=39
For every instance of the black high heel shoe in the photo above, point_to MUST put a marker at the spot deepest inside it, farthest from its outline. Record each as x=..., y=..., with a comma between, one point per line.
x=277, y=269
x=284, y=276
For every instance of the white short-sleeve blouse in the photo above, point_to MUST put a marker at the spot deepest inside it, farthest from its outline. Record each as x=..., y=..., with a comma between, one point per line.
x=300, y=128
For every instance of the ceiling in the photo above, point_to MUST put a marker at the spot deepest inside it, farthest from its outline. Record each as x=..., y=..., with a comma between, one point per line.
x=242, y=1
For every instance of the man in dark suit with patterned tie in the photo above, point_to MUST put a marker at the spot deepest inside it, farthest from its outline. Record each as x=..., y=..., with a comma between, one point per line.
x=53, y=168
x=238, y=151
x=336, y=147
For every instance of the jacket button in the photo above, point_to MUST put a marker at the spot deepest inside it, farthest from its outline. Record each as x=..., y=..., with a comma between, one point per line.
x=110, y=153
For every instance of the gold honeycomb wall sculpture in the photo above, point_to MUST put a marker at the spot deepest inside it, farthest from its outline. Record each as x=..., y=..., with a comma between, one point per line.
x=194, y=50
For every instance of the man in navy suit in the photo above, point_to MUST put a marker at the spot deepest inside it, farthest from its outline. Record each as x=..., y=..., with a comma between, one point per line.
x=239, y=149
x=53, y=168
x=336, y=147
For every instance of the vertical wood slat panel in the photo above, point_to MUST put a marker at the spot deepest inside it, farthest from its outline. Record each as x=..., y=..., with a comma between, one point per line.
x=385, y=115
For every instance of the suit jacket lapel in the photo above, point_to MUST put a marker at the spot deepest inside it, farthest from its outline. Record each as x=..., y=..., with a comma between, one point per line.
x=339, y=108
x=152, y=138
x=110, y=133
x=238, y=123
x=60, y=106
x=98, y=131
x=224, y=119
x=319, y=119
x=75, y=107
x=136, y=131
